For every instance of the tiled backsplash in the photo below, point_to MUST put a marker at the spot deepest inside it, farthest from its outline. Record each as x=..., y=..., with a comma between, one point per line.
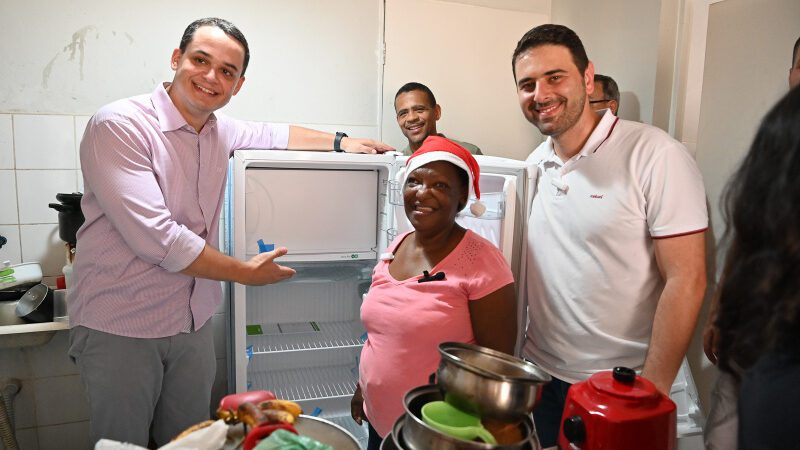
x=38, y=159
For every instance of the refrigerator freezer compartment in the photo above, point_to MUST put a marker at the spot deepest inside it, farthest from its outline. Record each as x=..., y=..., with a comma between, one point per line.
x=305, y=219
x=303, y=336
x=310, y=384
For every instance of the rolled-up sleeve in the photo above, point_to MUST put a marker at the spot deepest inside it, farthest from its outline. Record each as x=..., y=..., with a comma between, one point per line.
x=117, y=164
x=255, y=135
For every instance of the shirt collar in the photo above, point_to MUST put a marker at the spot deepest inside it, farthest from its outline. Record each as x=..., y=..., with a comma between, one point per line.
x=600, y=133
x=169, y=118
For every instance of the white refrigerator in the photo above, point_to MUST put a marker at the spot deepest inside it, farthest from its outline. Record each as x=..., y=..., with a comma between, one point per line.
x=336, y=213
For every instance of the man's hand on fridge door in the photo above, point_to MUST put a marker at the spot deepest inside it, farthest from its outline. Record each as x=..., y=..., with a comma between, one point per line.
x=357, y=145
x=263, y=270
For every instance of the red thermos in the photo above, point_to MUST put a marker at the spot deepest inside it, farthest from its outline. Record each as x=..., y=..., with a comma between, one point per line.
x=617, y=410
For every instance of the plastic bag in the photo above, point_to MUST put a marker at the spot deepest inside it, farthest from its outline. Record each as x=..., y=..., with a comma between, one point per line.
x=286, y=440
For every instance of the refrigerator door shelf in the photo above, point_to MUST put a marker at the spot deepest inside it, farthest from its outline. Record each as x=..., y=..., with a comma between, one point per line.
x=492, y=196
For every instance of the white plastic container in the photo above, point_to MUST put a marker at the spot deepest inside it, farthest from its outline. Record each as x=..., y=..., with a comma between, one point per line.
x=26, y=274
x=67, y=271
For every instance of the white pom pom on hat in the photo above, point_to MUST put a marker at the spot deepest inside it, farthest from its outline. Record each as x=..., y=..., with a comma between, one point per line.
x=437, y=148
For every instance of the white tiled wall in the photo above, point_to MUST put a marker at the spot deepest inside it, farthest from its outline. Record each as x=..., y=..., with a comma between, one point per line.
x=44, y=142
x=6, y=142
x=38, y=159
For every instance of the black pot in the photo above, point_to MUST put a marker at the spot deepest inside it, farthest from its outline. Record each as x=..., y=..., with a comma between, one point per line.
x=70, y=216
x=36, y=305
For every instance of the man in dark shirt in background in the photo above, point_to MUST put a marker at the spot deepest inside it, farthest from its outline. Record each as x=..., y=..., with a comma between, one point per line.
x=417, y=113
x=605, y=95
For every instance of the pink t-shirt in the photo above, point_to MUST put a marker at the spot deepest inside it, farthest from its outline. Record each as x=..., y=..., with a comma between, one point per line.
x=407, y=320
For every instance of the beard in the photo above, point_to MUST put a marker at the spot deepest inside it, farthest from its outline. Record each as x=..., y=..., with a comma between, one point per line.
x=564, y=121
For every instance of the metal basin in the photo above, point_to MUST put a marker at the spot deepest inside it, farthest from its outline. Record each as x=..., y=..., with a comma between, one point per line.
x=8, y=315
x=326, y=432
x=414, y=434
x=17, y=333
x=487, y=382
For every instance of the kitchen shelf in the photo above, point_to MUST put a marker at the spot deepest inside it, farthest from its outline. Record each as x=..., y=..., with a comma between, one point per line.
x=330, y=335
x=308, y=384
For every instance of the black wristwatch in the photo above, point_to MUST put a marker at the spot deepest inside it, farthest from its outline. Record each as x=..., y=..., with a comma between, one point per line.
x=337, y=141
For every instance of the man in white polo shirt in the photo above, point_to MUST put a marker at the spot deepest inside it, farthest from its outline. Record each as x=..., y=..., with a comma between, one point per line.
x=616, y=257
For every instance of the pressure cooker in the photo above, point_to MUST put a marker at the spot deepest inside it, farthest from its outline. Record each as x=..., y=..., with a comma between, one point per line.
x=70, y=216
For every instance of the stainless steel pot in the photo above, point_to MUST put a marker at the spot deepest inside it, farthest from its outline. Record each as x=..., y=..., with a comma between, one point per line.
x=394, y=440
x=490, y=383
x=414, y=434
x=326, y=432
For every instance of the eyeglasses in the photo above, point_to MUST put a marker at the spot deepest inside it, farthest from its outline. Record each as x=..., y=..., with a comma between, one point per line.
x=592, y=102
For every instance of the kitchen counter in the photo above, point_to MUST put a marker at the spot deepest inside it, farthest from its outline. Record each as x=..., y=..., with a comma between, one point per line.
x=29, y=334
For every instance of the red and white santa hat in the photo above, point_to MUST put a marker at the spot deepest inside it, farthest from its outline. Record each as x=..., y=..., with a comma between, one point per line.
x=437, y=148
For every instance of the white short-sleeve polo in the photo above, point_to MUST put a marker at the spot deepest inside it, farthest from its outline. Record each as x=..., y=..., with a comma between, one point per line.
x=593, y=283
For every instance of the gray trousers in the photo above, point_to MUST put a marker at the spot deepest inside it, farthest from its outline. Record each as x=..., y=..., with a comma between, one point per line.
x=137, y=386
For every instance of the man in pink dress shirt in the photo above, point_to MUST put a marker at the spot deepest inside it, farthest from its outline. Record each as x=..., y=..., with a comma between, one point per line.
x=148, y=269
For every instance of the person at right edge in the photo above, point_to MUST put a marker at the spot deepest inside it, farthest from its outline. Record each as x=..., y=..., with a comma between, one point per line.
x=758, y=319
x=616, y=232
x=723, y=419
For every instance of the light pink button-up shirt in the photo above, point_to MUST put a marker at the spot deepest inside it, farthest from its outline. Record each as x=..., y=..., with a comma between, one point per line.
x=153, y=190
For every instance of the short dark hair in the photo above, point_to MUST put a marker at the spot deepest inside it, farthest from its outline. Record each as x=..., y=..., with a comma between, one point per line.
x=552, y=34
x=224, y=25
x=610, y=88
x=794, y=52
x=414, y=86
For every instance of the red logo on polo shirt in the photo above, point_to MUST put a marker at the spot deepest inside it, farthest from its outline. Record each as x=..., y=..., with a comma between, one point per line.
x=596, y=196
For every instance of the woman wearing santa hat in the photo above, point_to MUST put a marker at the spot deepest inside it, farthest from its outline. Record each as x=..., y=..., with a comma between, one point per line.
x=435, y=284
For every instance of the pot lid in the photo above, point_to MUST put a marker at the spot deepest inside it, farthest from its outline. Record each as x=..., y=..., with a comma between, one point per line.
x=624, y=383
x=31, y=300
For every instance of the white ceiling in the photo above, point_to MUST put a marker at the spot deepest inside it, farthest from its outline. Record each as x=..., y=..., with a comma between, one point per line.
x=534, y=6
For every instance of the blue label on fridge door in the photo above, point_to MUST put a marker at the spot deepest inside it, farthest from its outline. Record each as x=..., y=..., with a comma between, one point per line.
x=263, y=248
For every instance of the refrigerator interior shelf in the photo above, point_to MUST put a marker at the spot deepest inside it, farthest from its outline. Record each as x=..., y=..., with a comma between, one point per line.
x=317, y=336
x=309, y=384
